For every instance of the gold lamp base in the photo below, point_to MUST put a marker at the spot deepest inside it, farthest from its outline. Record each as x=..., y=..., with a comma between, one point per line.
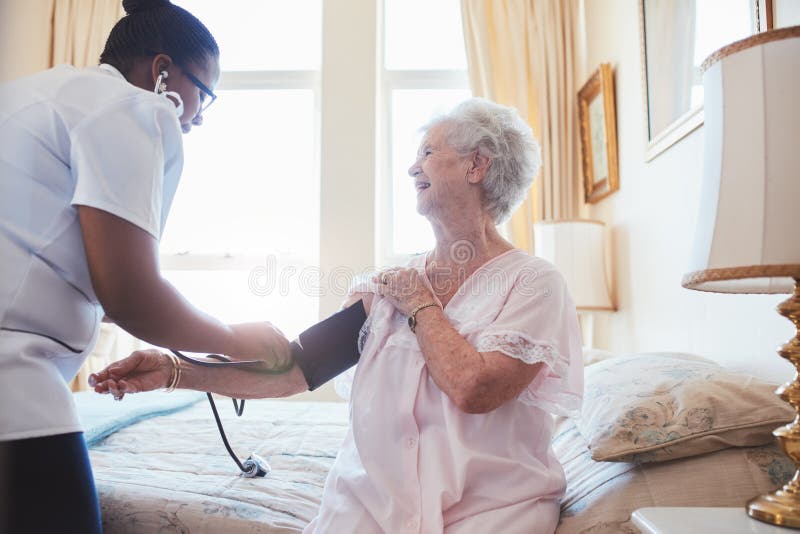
x=777, y=508
x=782, y=506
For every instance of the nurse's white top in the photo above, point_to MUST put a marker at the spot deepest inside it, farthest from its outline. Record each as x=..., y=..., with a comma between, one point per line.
x=68, y=137
x=412, y=461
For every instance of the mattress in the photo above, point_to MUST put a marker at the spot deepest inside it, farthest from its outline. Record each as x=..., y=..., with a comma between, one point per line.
x=172, y=473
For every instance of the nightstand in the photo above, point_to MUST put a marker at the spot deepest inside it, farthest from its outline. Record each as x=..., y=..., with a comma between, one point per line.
x=665, y=520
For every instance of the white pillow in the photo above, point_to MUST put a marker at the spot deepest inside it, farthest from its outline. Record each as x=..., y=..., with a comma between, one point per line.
x=660, y=406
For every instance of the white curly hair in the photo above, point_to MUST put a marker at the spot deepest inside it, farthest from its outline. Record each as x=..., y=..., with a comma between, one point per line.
x=500, y=134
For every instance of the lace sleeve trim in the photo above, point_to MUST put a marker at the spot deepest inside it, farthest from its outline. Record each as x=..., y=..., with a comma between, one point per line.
x=523, y=348
x=363, y=334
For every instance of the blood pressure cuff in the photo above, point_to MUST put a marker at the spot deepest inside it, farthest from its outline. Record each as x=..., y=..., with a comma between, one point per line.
x=330, y=347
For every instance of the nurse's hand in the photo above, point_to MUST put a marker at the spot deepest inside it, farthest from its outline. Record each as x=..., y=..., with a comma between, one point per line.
x=261, y=341
x=144, y=370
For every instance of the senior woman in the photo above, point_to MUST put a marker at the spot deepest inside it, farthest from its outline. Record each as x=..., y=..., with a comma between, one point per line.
x=464, y=353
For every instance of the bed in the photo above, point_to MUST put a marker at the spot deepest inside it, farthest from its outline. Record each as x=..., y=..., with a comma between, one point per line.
x=160, y=465
x=171, y=473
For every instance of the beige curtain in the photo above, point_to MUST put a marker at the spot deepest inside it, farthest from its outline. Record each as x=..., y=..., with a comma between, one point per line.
x=525, y=54
x=80, y=29
x=113, y=344
x=26, y=30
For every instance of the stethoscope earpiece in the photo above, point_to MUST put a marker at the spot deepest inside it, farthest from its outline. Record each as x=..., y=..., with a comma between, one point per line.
x=161, y=89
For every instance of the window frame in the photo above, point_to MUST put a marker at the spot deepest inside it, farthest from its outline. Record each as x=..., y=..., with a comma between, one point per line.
x=369, y=243
x=391, y=80
x=309, y=80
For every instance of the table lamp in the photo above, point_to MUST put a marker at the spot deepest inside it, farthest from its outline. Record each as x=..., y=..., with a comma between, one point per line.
x=575, y=247
x=749, y=215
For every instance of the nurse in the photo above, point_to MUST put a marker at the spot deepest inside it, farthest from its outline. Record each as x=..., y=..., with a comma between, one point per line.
x=89, y=163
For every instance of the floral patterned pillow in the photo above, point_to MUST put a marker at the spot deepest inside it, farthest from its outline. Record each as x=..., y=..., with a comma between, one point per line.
x=655, y=407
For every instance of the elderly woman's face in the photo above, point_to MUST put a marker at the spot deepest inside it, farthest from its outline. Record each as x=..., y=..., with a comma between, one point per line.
x=439, y=174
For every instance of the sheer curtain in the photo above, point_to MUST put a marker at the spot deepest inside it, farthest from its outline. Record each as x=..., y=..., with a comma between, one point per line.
x=525, y=54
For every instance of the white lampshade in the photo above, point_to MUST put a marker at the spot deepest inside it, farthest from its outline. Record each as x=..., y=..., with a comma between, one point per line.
x=747, y=231
x=575, y=247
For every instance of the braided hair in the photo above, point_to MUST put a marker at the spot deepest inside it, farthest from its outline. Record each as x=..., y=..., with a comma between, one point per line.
x=152, y=27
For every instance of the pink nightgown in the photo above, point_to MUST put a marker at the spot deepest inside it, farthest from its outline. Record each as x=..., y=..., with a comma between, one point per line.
x=413, y=462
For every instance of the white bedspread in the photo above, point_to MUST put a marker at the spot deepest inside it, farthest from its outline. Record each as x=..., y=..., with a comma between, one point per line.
x=172, y=473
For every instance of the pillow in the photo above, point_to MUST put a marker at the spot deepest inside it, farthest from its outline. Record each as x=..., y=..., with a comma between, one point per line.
x=658, y=406
x=592, y=355
x=601, y=496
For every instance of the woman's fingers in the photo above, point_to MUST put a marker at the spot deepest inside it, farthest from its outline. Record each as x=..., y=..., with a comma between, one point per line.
x=405, y=288
x=402, y=282
x=386, y=276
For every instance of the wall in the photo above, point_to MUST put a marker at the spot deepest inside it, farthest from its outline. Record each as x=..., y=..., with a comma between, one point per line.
x=652, y=219
x=786, y=13
x=347, y=235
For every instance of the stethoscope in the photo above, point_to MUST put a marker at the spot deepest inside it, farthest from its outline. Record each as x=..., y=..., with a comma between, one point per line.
x=254, y=466
x=321, y=352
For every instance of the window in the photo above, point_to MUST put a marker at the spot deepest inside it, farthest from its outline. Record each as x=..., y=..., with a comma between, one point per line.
x=236, y=244
x=279, y=204
x=420, y=76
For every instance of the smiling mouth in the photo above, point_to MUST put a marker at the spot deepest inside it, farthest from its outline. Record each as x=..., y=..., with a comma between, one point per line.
x=421, y=186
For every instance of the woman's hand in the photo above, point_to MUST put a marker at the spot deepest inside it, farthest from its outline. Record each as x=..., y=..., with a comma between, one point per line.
x=144, y=370
x=405, y=288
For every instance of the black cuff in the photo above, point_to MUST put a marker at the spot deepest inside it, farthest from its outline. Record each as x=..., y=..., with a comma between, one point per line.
x=330, y=347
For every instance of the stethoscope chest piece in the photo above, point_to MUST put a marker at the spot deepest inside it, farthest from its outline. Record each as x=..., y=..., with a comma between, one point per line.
x=255, y=466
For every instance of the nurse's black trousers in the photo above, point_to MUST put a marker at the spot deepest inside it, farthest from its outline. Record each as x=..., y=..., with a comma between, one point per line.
x=46, y=485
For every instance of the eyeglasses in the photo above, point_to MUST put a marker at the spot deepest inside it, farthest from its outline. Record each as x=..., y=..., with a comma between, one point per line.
x=207, y=96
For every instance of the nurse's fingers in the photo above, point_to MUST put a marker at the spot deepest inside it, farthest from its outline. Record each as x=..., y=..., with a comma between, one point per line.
x=129, y=387
x=120, y=369
x=104, y=386
x=117, y=389
x=115, y=370
x=96, y=378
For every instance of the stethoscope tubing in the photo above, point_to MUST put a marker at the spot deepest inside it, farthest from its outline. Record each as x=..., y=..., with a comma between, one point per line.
x=238, y=408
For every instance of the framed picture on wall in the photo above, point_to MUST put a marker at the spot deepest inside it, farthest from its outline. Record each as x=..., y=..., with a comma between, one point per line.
x=598, y=128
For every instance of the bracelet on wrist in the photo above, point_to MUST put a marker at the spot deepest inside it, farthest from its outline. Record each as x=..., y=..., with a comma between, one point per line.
x=412, y=317
x=176, y=373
